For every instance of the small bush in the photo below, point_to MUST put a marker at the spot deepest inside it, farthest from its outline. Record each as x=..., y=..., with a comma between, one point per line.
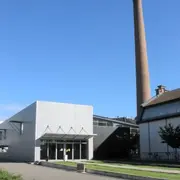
x=4, y=175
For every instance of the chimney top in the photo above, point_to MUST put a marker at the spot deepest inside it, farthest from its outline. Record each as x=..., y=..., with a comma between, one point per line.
x=160, y=89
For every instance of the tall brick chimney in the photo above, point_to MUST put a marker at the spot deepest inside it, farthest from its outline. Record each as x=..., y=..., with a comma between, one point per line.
x=142, y=73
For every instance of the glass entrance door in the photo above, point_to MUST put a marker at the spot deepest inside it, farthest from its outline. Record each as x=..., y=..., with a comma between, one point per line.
x=60, y=151
x=84, y=150
x=52, y=151
x=76, y=151
x=43, y=153
x=69, y=150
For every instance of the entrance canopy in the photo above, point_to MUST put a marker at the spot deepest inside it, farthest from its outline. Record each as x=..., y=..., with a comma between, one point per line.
x=65, y=137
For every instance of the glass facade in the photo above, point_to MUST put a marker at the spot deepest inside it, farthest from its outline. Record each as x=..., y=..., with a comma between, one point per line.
x=60, y=151
x=76, y=151
x=56, y=150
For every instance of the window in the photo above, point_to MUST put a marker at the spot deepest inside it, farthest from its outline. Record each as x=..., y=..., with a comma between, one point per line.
x=1, y=135
x=102, y=124
x=21, y=128
x=95, y=123
x=109, y=124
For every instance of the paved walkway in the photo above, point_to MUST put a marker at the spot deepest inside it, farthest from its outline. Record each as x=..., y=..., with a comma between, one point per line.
x=171, y=171
x=32, y=172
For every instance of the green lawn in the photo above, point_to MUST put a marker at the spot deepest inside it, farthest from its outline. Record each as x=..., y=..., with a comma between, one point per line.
x=142, y=173
x=138, y=166
x=134, y=172
x=4, y=175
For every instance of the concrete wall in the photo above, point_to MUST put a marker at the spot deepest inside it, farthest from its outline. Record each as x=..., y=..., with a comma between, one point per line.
x=144, y=138
x=161, y=110
x=102, y=134
x=150, y=141
x=54, y=114
x=21, y=146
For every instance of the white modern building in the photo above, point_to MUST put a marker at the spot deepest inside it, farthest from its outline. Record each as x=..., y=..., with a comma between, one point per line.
x=161, y=110
x=48, y=129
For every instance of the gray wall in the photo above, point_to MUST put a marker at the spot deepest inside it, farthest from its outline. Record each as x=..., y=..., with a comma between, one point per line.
x=161, y=110
x=21, y=146
x=102, y=134
x=150, y=141
x=54, y=114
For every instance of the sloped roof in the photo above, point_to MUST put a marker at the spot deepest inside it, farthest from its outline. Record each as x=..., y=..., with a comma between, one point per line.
x=163, y=98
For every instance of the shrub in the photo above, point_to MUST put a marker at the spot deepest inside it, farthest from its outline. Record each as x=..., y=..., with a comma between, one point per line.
x=4, y=175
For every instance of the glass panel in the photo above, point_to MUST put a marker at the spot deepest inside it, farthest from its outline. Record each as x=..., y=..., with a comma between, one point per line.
x=102, y=124
x=1, y=135
x=43, y=153
x=84, y=151
x=52, y=151
x=109, y=124
x=69, y=150
x=60, y=151
x=95, y=123
x=76, y=151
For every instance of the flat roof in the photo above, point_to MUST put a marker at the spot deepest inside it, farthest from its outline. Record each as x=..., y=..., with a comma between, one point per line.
x=114, y=121
x=57, y=136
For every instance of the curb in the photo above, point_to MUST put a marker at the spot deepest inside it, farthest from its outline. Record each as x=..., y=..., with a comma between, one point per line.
x=119, y=175
x=57, y=166
x=96, y=172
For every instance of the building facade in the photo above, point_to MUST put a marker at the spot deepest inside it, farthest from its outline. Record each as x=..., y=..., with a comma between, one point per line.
x=161, y=110
x=48, y=129
x=107, y=144
x=58, y=131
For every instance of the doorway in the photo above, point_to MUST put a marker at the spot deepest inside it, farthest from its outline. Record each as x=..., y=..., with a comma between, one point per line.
x=84, y=150
x=52, y=151
x=60, y=151
x=43, y=153
x=69, y=150
x=76, y=151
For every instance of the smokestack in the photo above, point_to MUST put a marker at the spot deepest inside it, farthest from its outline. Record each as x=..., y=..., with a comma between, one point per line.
x=142, y=73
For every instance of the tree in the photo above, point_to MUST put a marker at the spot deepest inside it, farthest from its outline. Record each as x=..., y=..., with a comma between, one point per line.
x=171, y=136
x=131, y=141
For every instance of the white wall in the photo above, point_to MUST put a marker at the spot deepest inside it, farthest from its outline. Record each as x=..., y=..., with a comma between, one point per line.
x=144, y=139
x=164, y=109
x=155, y=140
x=175, y=122
x=54, y=114
x=21, y=147
x=151, y=136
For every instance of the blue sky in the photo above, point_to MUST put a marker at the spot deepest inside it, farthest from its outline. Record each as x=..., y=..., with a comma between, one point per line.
x=79, y=51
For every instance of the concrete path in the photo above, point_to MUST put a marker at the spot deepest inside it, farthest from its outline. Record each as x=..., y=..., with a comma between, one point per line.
x=32, y=172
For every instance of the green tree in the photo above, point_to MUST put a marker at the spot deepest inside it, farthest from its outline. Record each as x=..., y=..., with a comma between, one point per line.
x=131, y=141
x=171, y=136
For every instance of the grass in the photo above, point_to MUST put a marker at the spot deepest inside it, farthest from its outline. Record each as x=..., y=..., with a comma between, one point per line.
x=135, y=172
x=138, y=166
x=4, y=175
x=142, y=173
